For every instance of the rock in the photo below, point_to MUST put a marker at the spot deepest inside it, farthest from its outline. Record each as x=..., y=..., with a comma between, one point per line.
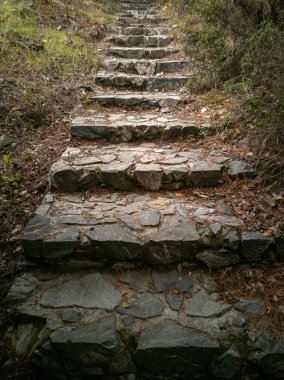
x=218, y=259
x=5, y=140
x=168, y=347
x=175, y=301
x=90, y=291
x=205, y=174
x=136, y=280
x=93, y=346
x=117, y=176
x=22, y=288
x=241, y=320
x=168, y=281
x=254, y=245
x=240, y=169
x=150, y=176
x=207, y=130
x=144, y=307
x=129, y=220
x=61, y=245
x=233, y=241
x=149, y=217
x=63, y=177
x=228, y=366
x=252, y=306
x=208, y=283
x=71, y=316
x=267, y=201
x=114, y=242
x=34, y=234
x=176, y=240
x=201, y=305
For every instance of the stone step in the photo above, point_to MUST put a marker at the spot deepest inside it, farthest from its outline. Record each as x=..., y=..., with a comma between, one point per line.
x=146, y=66
x=140, y=82
x=137, y=7
x=143, y=21
x=141, y=325
x=157, y=229
x=139, y=30
x=124, y=167
x=146, y=100
x=141, y=40
x=139, y=52
x=122, y=127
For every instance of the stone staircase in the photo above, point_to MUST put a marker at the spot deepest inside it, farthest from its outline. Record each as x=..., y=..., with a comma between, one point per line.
x=117, y=286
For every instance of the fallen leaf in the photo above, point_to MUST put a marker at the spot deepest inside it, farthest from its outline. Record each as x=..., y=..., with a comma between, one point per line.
x=125, y=304
x=268, y=233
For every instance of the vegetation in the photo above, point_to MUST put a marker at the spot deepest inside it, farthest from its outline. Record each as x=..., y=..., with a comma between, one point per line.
x=238, y=46
x=45, y=44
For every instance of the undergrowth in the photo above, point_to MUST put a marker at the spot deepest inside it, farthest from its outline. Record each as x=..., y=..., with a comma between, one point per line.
x=238, y=46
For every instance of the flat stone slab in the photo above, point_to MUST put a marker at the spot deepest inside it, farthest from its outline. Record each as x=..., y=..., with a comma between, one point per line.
x=138, y=30
x=140, y=82
x=144, y=307
x=145, y=100
x=141, y=40
x=169, y=346
x=124, y=167
x=91, y=292
x=201, y=305
x=112, y=227
x=142, y=52
x=146, y=66
x=123, y=128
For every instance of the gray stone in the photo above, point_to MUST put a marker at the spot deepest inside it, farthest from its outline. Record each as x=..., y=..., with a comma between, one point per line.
x=144, y=307
x=150, y=176
x=95, y=346
x=128, y=320
x=176, y=239
x=129, y=220
x=201, y=305
x=71, y=316
x=241, y=320
x=254, y=245
x=208, y=283
x=280, y=249
x=228, y=366
x=114, y=242
x=149, y=217
x=5, y=140
x=90, y=291
x=218, y=259
x=252, y=306
x=22, y=288
x=61, y=245
x=136, y=280
x=37, y=229
x=233, y=241
x=63, y=177
x=175, y=301
x=205, y=174
x=240, y=169
x=168, y=281
x=137, y=52
x=170, y=347
x=117, y=176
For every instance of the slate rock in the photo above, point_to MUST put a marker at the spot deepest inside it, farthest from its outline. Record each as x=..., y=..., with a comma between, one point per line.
x=89, y=132
x=61, y=245
x=254, y=245
x=91, y=291
x=175, y=301
x=177, y=239
x=22, y=288
x=205, y=174
x=144, y=307
x=252, y=306
x=117, y=176
x=208, y=283
x=280, y=249
x=240, y=169
x=114, y=242
x=233, y=241
x=172, y=348
x=241, y=320
x=149, y=218
x=228, y=366
x=218, y=259
x=167, y=281
x=94, y=346
x=137, y=281
x=71, y=316
x=35, y=232
x=63, y=178
x=201, y=305
x=149, y=176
